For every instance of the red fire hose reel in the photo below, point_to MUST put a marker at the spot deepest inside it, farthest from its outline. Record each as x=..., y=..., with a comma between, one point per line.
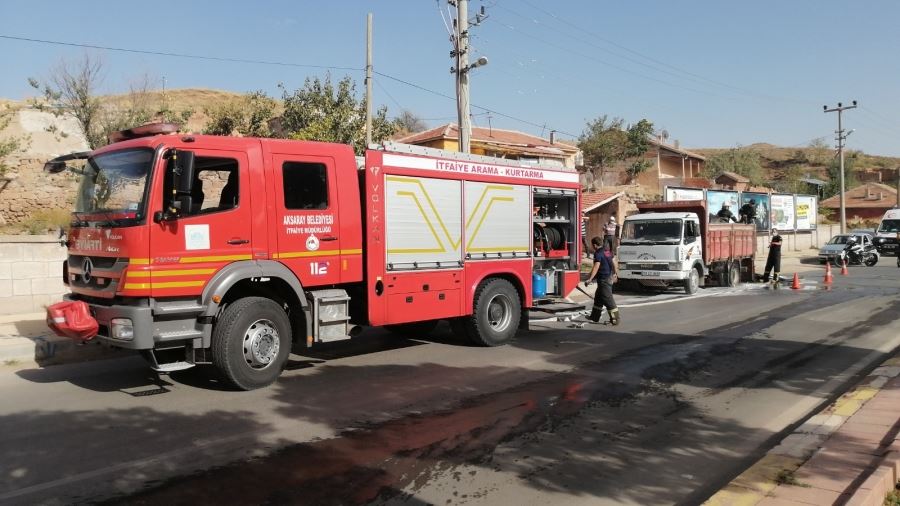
x=72, y=319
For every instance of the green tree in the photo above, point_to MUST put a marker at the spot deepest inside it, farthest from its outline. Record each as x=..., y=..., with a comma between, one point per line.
x=321, y=111
x=71, y=89
x=743, y=161
x=12, y=144
x=637, y=144
x=603, y=142
x=248, y=116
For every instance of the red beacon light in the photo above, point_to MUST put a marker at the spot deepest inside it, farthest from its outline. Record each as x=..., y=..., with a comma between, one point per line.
x=148, y=130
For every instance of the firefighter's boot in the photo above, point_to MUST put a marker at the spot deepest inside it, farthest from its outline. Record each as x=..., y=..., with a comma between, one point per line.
x=614, y=316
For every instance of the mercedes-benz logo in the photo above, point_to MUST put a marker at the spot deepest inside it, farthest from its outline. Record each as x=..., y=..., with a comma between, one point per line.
x=86, y=267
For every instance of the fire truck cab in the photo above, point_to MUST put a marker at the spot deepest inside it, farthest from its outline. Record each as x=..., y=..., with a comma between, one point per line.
x=196, y=249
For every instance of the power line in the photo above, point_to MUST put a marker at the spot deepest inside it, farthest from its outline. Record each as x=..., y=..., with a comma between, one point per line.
x=655, y=61
x=260, y=62
x=179, y=55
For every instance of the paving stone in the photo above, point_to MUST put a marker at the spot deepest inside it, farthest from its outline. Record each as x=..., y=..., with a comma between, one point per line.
x=807, y=495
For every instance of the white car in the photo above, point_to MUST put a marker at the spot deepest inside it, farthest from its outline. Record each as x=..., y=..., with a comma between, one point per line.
x=837, y=243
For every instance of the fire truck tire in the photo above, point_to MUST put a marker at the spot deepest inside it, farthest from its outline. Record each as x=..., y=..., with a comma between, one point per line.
x=496, y=313
x=251, y=342
x=413, y=330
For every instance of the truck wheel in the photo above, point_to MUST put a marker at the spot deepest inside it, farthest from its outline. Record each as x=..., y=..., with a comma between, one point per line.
x=733, y=274
x=414, y=329
x=692, y=283
x=496, y=313
x=251, y=342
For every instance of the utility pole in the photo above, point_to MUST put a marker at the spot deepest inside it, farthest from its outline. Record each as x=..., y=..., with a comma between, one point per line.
x=841, y=137
x=368, y=80
x=462, y=68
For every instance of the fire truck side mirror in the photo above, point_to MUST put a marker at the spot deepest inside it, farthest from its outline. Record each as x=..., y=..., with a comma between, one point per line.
x=181, y=167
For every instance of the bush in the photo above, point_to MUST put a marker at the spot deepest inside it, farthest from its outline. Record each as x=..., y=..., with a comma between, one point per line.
x=47, y=220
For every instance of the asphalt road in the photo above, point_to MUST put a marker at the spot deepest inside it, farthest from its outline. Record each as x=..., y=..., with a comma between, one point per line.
x=663, y=409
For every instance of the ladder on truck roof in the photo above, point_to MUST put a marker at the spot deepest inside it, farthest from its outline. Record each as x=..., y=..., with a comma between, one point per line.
x=411, y=149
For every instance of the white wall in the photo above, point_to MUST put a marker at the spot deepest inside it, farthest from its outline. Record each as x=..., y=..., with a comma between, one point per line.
x=30, y=273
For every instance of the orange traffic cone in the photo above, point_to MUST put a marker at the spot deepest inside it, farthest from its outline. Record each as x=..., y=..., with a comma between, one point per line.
x=796, y=284
x=828, y=277
x=844, y=268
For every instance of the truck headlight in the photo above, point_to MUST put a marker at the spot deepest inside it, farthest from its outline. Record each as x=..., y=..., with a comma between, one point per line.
x=622, y=266
x=674, y=266
x=121, y=328
x=879, y=240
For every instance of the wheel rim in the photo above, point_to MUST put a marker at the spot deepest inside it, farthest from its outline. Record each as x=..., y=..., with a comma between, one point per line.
x=499, y=312
x=734, y=273
x=694, y=279
x=261, y=344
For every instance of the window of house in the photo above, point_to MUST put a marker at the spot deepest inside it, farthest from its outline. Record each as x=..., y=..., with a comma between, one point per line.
x=305, y=185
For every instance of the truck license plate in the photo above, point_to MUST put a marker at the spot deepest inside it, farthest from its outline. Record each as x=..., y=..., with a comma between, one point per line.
x=646, y=273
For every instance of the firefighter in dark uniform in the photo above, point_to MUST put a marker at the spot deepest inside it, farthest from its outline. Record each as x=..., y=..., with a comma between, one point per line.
x=774, y=260
x=725, y=215
x=605, y=272
x=748, y=212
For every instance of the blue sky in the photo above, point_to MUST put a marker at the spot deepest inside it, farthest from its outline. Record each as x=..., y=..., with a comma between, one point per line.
x=711, y=73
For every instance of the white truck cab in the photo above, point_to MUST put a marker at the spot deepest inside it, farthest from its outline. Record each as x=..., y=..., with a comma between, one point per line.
x=659, y=249
x=887, y=236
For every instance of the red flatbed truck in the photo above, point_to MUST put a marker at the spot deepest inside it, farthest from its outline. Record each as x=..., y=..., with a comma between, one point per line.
x=196, y=249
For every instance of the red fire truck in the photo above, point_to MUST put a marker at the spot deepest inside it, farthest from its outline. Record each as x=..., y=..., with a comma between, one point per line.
x=198, y=249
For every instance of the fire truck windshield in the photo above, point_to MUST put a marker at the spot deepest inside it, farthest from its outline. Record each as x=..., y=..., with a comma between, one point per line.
x=112, y=189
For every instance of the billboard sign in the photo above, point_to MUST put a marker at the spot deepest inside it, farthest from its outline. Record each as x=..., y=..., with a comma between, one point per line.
x=755, y=209
x=717, y=200
x=782, y=213
x=674, y=194
x=806, y=212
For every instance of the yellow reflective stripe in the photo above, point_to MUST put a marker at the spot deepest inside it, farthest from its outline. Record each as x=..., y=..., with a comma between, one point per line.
x=172, y=284
x=177, y=272
x=305, y=254
x=139, y=261
x=485, y=215
x=219, y=258
x=441, y=248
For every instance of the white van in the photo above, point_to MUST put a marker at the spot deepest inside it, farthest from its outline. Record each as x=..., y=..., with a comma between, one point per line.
x=887, y=237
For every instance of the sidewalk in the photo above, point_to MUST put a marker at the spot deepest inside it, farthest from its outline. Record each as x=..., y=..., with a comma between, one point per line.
x=25, y=340
x=847, y=454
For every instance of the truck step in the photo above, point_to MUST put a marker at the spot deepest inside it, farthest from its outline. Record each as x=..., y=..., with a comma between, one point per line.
x=171, y=366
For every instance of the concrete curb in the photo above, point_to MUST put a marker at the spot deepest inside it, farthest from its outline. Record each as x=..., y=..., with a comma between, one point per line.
x=851, y=434
x=26, y=341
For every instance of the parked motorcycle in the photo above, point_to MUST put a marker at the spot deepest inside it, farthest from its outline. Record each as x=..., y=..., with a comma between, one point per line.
x=855, y=254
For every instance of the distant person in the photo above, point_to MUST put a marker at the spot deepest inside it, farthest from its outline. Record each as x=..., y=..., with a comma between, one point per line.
x=610, y=233
x=606, y=274
x=725, y=215
x=748, y=212
x=774, y=259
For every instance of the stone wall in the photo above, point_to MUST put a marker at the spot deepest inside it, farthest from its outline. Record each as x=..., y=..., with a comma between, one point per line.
x=28, y=189
x=30, y=273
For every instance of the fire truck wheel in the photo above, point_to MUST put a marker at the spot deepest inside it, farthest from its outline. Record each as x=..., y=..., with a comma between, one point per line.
x=415, y=329
x=496, y=313
x=251, y=342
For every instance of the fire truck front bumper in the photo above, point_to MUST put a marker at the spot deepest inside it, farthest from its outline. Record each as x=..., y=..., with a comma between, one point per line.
x=129, y=327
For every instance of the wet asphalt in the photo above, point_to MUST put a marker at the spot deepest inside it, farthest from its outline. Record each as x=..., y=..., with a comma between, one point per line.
x=663, y=409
